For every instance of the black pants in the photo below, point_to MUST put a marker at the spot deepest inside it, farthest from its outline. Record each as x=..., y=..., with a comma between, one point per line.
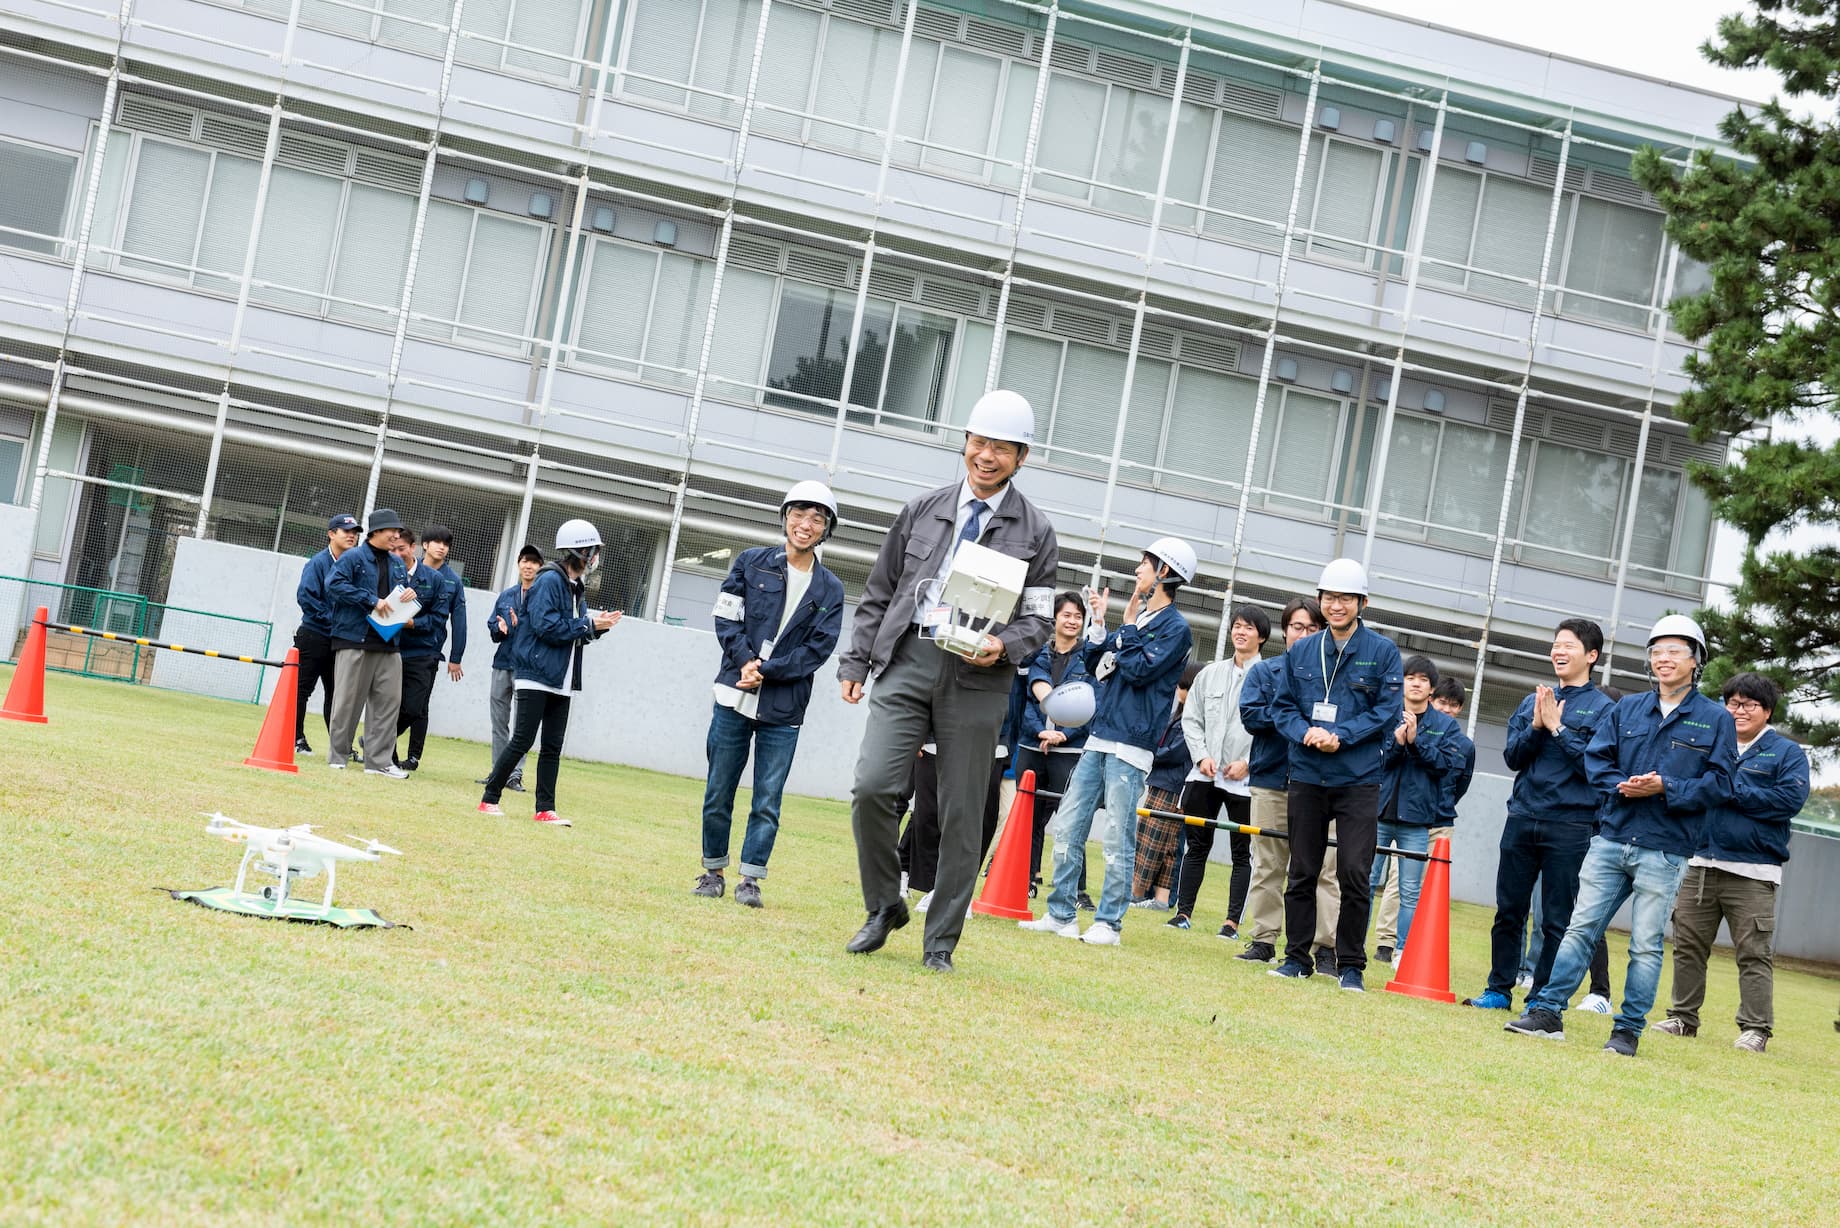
x=1204, y=800
x=1549, y=851
x=417, y=688
x=1051, y=773
x=1355, y=811
x=919, y=847
x=315, y=669
x=535, y=710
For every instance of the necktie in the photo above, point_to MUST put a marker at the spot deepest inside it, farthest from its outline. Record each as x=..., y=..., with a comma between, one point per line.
x=974, y=523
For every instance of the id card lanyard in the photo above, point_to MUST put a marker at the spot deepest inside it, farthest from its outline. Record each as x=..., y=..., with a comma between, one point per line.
x=1326, y=711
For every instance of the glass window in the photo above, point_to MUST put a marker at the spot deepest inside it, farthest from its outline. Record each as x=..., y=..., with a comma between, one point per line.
x=1031, y=365
x=166, y=207
x=1346, y=193
x=1411, y=465
x=478, y=269
x=298, y=228
x=1071, y=122
x=373, y=255
x=12, y=465
x=1210, y=431
x=724, y=54
x=1572, y=502
x=810, y=341
x=1299, y=445
x=1254, y=166
x=783, y=93
x=856, y=84
x=615, y=304
x=741, y=343
x=229, y=205
x=1450, y=225
x=34, y=192
x=919, y=361
x=973, y=368
x=679, y=311
x=964, y=101
x=1465, y=505
x=662, y=44
x=1510, y=238
x=1131, y=151
x=1615, y=255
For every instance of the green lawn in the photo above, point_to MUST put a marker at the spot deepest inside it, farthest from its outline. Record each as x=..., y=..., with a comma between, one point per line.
x=566, y=1035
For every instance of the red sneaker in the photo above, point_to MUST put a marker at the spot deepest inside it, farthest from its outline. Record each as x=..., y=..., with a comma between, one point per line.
x=491, y=808
x=552, y=818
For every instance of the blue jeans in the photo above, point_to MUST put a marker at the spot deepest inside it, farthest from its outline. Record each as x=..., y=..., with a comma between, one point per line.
x=1412, y=839
x=729, y=736
x=1097, y=776
x=1612, y=873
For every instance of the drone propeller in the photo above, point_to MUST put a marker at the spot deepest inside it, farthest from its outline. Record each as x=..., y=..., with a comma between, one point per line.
x=374, y=846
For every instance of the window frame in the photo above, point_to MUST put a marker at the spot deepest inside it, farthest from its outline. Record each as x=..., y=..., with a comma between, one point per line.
x=61, y=243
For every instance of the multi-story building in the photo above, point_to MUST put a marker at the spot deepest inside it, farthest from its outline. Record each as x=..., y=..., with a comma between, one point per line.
x=1290, y=281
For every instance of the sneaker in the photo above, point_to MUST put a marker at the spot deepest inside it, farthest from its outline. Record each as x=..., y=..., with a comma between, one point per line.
x=411, y=763
x=1228, y=929
x=390, y=773
x=1537, y=1022
x=491, y=808
x=1177, y=922
x=1153, y=904
x=516, y=783
x=925, y=901
x=301, y=747
x=1034, y=889
x=1258, y=953
x=337, y=767
x=1325, y=961
x=552, y=818
x=1291, y=970
x=1524, y=981
x=1383, y=955
x=1621, y=1043
x=1085, y=903
x=1099, y=934
x=1596, y=1003
x=710, y=886
x=1490, y=1000
x=1046, y=924
x=748, y=893
x=1751, y=1041
x=1352, y=981
x=1675, y=1027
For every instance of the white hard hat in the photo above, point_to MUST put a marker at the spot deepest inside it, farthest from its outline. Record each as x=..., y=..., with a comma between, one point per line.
x=1177, y=553
x=1679, y=627
x=1002, y=415
x=577, y=535
x=1343, y=576
x=817, y=494
x=1070, y=705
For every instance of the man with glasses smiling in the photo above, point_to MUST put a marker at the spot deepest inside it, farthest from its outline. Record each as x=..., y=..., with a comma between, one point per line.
x=1734, y=874
x=1660, y=762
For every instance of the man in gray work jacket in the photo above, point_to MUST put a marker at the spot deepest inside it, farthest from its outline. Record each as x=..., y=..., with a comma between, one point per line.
x=923, y=693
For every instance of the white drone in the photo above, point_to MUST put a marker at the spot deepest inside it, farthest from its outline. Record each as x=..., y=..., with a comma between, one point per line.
x=289, y=853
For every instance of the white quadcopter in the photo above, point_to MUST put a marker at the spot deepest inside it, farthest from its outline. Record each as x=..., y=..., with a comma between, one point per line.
x=289, y=853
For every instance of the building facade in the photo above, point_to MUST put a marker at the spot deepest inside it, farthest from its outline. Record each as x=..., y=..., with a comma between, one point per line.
x=1290, y=281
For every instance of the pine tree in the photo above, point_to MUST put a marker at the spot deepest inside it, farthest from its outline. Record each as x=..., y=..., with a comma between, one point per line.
x=1767, y=227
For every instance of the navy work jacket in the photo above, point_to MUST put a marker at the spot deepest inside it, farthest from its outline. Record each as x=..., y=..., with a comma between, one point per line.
x=748, y=615
x=1270, y=764
x=555, y=627
x=437, y=595
x=1694, y=748
x=311, y=596
x=509, y=602
x=351, y=593
x=1415, y=772
x=1140, y=689
x=1768, y=790
x=1550, y=781
x=1366, y=692
x=1041, y=669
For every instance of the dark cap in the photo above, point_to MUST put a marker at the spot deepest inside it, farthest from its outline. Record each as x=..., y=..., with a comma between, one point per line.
x=383, y=518
x=344, y=520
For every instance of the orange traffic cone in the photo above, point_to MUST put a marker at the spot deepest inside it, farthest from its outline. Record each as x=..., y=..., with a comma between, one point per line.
x=1006, y=887
x=25, y=699
x=275, y=744
x=1424, y=970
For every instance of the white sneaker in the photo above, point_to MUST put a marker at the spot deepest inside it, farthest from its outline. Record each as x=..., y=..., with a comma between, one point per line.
x=392, y=772
x=1524, y=981
x=1596, y=1003
x=925, y=902
x=1046, y=924
x=1099, y=934
x=337, y=767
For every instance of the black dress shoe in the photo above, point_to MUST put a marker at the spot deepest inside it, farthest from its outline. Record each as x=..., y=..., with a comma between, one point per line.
x=937, y=961
x=881, y=923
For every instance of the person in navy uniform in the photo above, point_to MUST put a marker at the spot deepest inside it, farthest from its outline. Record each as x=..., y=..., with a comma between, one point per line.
x=313, y=638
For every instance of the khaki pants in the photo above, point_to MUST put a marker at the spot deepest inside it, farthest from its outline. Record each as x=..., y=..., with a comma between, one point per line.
x=367, y=684
x=1748, y=905
x=1271, y=860
x=1386, y=928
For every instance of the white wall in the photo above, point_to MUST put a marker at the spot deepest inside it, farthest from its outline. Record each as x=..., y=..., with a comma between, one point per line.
x=16, y=602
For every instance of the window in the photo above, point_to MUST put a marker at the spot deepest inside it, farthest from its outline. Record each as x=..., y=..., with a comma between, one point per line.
x=1613, y=259
x=1444, y=482
x=515, y=34
x=1673, y=527
x=1249, y=188
x=643, y=311
x=412, y=25
x=811, y=343
x=692, y=54
x=1341, y=196
x=920, y=355
x=12, y=467
x=1210, y=432
x=477, y=280
x=1299, y=442
x=1571, y=520
x=34, y=196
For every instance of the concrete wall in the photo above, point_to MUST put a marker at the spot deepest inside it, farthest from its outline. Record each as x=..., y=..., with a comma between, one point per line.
x=16, y=602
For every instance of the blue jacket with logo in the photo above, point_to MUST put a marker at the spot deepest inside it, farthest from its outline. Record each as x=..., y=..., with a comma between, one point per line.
x=1415, y=772
x=546, y=647
x=429, y=634
x=1140, y=687
x=1768, y=789
x=509, y=602
x=1694, y=749
x=1270, y=764
x=351, y=593
x=1041, y=669
x=1366, y=691
x=1549, y=774
x=311, y=595
x=748, y=614
x=458, y=612
x=1456, y=783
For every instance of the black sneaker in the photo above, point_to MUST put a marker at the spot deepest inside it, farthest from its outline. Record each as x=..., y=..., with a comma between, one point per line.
x=1291, y=970
x=411, y=763
x=301, y=747
x=1177, y=922
x=1622, y=1043
x=1227, y=930
x=1351, y=981
x=1383, y=955
x=1325, y=961
x=1085, y=903
x=748, y=892
x=1258, y=953
x=1537, y=1022
x=516, y=783
x=710, y=886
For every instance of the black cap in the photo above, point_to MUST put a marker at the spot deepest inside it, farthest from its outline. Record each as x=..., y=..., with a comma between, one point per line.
x=384, y=518
x=344, y=520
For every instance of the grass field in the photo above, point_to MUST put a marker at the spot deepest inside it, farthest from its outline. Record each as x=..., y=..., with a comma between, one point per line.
x=566, y=1035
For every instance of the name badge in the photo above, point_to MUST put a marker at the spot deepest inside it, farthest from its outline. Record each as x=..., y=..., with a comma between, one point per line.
x=934, y=618
x=1324, y=712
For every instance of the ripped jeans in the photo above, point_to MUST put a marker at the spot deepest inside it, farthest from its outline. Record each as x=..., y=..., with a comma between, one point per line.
x=1097, y=778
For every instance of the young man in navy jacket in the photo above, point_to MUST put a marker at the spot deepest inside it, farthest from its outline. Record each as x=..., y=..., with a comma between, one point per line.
x=1139, y=666
x=507, y=612
x=1423, y=751
x=438, y=590
x=314, y=636
x=1661, y=762
x=1735, y=871
x=777, y=618
x=1338, y=699
x=368, y=667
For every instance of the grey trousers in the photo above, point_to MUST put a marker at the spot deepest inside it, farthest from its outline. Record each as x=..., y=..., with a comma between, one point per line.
x=1263, y=919
x=1748, y=905
x=917, y=699
x=504, y=691
x=369, y=683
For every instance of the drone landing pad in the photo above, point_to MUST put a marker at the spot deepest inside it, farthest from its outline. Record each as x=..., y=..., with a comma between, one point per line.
x=225, y=899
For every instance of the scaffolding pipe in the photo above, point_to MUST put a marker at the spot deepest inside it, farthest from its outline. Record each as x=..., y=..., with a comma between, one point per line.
x=1029, y=149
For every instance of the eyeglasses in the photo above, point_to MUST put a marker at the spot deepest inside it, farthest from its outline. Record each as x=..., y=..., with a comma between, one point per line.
x=1735, y=704
x=1669, y=654
x=1300, y=626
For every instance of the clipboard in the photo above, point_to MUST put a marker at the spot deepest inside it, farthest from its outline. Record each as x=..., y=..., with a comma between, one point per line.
x=404, y=605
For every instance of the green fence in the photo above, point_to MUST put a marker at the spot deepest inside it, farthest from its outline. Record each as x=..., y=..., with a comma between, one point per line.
x=130, y=615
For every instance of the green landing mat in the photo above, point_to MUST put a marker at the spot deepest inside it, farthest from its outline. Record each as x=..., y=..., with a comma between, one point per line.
x=225, y=899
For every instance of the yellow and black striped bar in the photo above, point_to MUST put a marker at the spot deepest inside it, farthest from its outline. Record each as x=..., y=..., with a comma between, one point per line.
x=144, y=642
